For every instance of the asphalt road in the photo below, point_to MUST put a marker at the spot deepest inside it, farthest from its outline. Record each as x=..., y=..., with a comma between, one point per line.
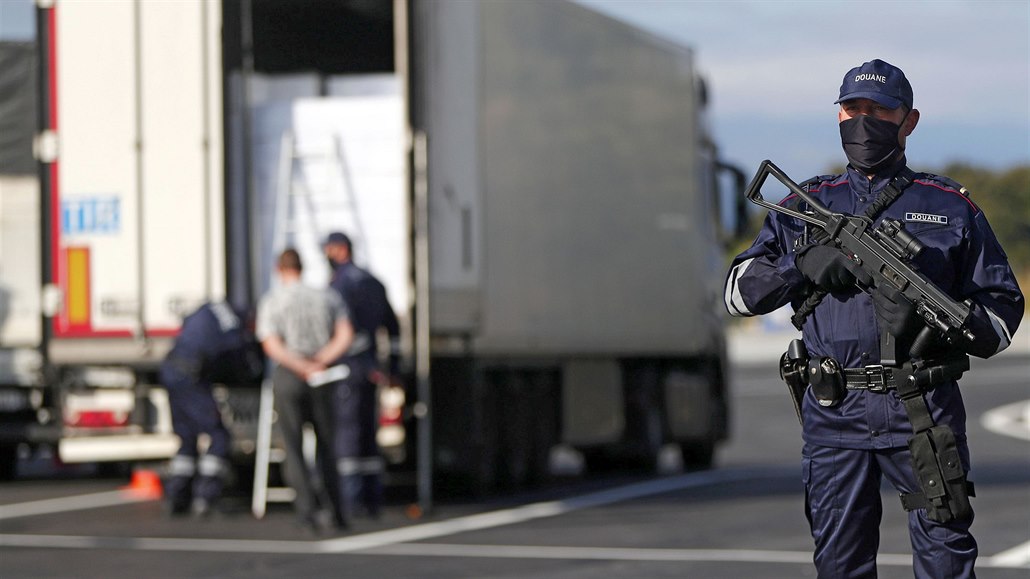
x=741, y=519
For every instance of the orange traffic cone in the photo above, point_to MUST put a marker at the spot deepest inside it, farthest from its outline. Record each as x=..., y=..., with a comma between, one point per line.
x=144, y=485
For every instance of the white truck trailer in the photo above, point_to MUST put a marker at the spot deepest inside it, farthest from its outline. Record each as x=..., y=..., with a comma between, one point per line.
x=534, y=182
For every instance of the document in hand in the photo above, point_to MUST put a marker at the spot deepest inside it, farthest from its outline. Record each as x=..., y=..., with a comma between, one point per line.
x=329, y=375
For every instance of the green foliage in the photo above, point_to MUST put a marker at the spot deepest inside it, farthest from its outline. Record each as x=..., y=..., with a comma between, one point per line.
x=1004, y=198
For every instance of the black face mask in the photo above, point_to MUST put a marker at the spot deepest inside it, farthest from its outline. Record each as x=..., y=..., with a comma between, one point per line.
x=871, y=144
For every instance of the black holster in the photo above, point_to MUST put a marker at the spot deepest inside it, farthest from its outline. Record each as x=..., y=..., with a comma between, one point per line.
x=936, y=462
x=938, y=468
x=793, y=372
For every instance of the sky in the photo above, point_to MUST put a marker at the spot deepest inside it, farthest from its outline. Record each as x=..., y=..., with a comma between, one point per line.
x=774, y=67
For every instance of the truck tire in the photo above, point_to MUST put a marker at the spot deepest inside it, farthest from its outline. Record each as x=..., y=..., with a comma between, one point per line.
x=529, y=426
x=697, y=414
x=645, y=419
x=545, y=394
x=644, y=433
x=698, y=455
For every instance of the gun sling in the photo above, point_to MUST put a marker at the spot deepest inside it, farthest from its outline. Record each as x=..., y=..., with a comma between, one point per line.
x=887, y=196
x=944, y=491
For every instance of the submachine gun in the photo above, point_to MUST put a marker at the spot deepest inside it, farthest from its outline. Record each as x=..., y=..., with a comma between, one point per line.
x=886, y=251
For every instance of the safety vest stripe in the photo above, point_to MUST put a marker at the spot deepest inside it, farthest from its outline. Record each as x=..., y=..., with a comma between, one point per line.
x=214, y=466
x=361, y=465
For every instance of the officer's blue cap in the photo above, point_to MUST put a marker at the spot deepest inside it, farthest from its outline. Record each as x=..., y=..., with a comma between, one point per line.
x=879, y=81
x=338, y=237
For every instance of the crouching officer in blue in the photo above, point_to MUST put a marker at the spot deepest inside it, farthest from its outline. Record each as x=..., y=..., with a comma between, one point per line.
x=861, y=420
x=359, y=461
x=213, y=346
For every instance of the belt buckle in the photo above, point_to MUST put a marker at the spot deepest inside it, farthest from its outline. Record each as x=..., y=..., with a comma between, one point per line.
x=872, y=370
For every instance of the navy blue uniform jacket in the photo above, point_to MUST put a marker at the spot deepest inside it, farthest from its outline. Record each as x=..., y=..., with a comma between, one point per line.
x=962, y=257
x=370, y=310
x=214, y=346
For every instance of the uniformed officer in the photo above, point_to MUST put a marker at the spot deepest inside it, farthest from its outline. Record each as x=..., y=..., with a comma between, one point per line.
x=850, y=443
x=213, y=346
x=360, y=463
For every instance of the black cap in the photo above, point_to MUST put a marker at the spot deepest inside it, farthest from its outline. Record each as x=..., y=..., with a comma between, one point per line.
x=338, y=237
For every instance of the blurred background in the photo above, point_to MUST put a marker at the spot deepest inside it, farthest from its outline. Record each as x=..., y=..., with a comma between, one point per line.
x=578, y=163
x=551, y=191
x=775, y=69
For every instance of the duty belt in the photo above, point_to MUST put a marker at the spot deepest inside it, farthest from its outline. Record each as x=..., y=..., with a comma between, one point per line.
x=875, y=378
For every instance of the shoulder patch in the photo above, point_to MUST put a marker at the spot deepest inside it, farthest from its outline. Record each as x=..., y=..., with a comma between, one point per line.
x=816, y=180
x=944, y=181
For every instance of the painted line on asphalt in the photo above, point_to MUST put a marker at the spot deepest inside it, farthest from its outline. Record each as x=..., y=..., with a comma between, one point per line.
x=612, y=553
x=73, y=503
x=1018, y=556
x=356, y=542
x=398, y=542
x=159, y=544
x=1010, y=420
x=536, y=510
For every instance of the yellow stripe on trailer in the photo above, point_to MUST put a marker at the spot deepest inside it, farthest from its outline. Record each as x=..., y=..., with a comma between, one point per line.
x=77, y=296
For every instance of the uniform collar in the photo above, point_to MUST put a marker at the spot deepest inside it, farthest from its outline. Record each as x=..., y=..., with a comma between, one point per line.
x=859, y=180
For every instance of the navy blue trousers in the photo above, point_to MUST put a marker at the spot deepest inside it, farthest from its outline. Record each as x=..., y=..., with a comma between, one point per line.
x=842, y=501
x=195, y=412
x=357, y=453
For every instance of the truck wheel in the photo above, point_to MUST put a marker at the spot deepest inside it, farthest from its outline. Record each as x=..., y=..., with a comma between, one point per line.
x=8, y=462
x=698, y=455
x=486, y=430
x=696, y=412
x=645, y=420
x=515, y=429
x=545, y=420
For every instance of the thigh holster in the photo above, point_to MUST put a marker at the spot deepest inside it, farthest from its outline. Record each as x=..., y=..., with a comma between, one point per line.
x=936, y=463
x=938, y=468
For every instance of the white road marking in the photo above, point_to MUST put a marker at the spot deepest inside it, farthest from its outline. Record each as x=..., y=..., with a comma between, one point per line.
x=160, y=544
x=74, y=503
x=1018, y=556
x=535, y=510
x=594, y=553
x=1009, y=420
x=398, y=542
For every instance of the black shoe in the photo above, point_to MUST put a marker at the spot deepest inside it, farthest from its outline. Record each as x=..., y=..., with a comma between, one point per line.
x=322, y=523
x=176, y=508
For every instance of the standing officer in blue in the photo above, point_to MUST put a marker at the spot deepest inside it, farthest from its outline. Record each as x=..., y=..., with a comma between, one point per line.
x=359, y=461
x=213, y=346
x=855, y=438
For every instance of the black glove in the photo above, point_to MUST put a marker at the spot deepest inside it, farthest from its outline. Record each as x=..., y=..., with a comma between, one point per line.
x=897, y=314
x=830, y=269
